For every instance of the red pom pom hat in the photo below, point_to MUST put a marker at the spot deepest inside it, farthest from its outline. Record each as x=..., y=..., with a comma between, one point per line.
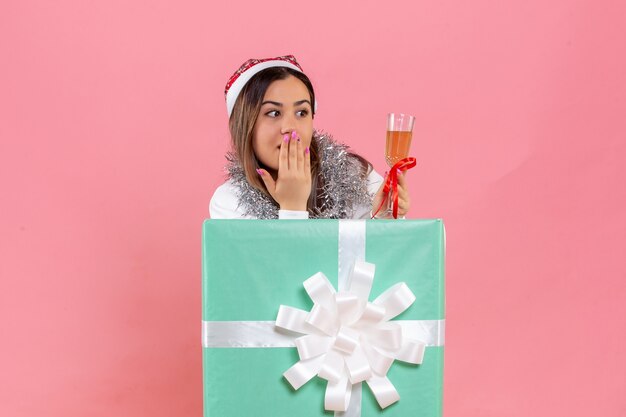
x=251, y=67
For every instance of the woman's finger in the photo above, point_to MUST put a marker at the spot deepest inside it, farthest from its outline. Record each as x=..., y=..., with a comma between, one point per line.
x=299, y=154
x=269, y=182
x=283, y=157
x=293, y=151
x=404, y=204
x=403, y=193
x=307, y=161
x=403, y=190
x=402, y=179
x=404, y=200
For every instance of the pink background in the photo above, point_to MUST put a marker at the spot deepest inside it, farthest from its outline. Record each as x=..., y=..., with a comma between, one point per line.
x=112, y=134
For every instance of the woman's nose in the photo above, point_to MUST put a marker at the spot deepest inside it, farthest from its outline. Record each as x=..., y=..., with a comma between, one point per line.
x=288, y=125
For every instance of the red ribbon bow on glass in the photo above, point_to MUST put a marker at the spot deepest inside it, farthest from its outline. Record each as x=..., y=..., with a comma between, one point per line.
x=391, y=183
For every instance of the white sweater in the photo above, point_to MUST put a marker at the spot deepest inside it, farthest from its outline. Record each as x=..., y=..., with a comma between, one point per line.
x=225, y=204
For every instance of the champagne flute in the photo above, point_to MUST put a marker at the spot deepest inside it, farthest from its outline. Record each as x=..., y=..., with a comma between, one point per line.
x=399, y=134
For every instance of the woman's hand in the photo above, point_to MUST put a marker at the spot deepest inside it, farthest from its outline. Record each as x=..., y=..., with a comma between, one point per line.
x=404, y=201
x=292, y=186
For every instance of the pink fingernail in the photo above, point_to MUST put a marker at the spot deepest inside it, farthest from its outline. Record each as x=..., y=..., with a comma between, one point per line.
x=260, y=172
x=306, y=150
x=286, y=137
x=293, y=134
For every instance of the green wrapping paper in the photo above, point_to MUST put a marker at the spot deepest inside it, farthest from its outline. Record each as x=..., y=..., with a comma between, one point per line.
x=252, y=267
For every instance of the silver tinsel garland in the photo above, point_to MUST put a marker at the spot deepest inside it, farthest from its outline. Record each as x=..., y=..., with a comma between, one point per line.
x=343, y=176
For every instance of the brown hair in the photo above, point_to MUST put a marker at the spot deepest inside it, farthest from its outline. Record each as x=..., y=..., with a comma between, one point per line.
x=243, y=118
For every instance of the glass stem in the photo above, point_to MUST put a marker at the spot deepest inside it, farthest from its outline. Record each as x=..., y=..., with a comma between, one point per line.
x=390, y=203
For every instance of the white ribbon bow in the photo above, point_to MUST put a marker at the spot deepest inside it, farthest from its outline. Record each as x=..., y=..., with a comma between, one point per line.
x=349, y=339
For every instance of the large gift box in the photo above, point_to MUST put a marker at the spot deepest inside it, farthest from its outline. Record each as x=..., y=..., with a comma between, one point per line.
x=323, y=318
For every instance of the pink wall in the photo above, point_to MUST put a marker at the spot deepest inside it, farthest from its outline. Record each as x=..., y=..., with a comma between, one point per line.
x=112, y=134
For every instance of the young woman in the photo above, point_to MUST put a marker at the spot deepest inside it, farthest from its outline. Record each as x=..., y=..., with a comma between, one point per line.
x=280, y=166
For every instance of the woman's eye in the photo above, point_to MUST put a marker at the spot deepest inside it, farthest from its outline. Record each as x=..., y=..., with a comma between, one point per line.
x=272, y=113
x=302, y=113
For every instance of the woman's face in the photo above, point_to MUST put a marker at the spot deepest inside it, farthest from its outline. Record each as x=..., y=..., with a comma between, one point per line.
x=286, y=107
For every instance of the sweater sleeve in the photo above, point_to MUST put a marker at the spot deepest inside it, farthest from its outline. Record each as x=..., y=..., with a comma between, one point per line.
x=374, y=181
x=225, y=205
x=292, y=214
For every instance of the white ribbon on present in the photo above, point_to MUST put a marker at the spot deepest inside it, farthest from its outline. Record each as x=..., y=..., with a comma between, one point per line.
x=346, y=337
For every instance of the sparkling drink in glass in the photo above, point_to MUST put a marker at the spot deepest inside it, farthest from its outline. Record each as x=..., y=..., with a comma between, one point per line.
x=398, y=144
